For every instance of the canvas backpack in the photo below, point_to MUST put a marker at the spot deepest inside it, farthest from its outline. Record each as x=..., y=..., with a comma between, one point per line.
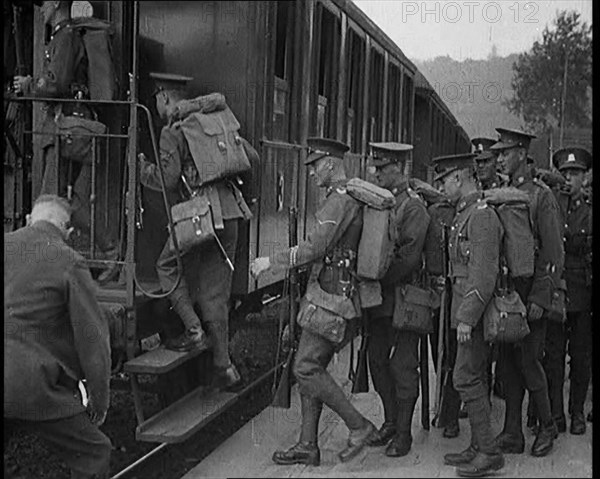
x=215, y=144
x=377, y=241
x=518, y=246
x=96, y=38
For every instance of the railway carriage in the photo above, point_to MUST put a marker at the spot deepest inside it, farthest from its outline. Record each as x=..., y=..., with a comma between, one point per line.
x=289, y=70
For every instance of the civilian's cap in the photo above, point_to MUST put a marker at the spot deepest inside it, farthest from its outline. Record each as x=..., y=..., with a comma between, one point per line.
x=443, y=165
x=169, y=81
x=389, y=152
x=320, y=147
x=572, y=158
x=512, y=139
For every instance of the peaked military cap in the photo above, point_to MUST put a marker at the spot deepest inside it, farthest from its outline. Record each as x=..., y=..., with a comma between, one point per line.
x=482, y=148
x=320, y=147
x=512, y=139
x=444, y=165
x=389, y=152
x=572, y=157
x=169, y=81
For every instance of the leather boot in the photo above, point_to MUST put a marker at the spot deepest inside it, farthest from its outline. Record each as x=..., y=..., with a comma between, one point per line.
x=383, y=435
x=402, y=442
x=481, y=465
x=544, y=441
x=464, y=457
x=451, y=430
x=577, y=424
x=357, y=440
x=510, y=443
x=561, y=423
x=300, y=453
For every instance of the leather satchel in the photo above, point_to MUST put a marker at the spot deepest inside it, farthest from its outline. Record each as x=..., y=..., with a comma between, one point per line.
x=321, y=322
x=413, y=309
x=76, y=135
x=505, y=319
x=192, y=221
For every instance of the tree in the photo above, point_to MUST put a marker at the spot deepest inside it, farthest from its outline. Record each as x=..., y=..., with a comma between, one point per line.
x=541, y=95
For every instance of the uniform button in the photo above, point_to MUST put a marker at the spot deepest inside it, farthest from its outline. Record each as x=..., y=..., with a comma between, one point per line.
x=521, y=179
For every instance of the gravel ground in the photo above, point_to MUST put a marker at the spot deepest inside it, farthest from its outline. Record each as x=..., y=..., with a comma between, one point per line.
x=253, y=347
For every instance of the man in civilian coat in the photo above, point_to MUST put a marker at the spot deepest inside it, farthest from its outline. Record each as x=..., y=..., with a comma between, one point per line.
x=56, y=342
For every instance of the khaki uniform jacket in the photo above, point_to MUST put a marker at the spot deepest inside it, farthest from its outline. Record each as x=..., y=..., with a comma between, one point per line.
x=54, y=331
x=576, y=214
x=339, y=225
x=474, y=256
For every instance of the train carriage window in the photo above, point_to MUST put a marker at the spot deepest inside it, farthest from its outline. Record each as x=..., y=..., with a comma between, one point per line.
x=356, y=58
x=376, y=96
x=407, y=106
x=328, y=61
x=394, y=103
x=282, y=69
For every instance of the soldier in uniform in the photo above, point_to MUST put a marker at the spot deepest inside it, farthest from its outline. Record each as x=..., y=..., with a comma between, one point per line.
x=213, y=281
x=55, y=340
x=576, y=210
x=331, y=247
x=64, y=75
x=394, y=354
x=520, y=363
x=486, y=164
x=474, y=253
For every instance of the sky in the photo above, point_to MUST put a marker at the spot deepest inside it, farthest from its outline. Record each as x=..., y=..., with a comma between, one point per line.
x=467, y=29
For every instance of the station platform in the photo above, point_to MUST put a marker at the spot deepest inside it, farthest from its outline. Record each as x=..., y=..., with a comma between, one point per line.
x=248, y=452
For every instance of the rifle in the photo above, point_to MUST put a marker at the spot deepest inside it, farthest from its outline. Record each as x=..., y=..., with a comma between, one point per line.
x=282, y=395
x=443, y=343
x=13, y=109
x=360, y=379
x=424, y=373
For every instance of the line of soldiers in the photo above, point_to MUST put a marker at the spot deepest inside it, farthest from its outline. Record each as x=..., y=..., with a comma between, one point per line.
x=561, y=222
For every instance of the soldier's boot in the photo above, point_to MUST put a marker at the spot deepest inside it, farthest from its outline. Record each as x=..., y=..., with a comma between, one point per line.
x=578, y=426
x=384, y=435
x=544, y=441
x=402, y=441
x=481, y=465
x=463, y=457
x=488, y=458
x=306, y=450
x=194, y=336
x=357, y=440
x=532, y=419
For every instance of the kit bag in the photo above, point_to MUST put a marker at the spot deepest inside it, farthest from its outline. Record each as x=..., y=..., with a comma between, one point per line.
x=192, y=222
x=518, y=244
x=215, y=144
x=76, y=136
x=413, y=308
x=377, y=241
x=505, y=318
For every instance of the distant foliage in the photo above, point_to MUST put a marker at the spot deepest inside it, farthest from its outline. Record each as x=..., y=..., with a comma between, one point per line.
x=538, y=82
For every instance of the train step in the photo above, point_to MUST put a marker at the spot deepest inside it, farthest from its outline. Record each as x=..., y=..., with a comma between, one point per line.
x=159, y=361
x=116, y=292
x=185, y=416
